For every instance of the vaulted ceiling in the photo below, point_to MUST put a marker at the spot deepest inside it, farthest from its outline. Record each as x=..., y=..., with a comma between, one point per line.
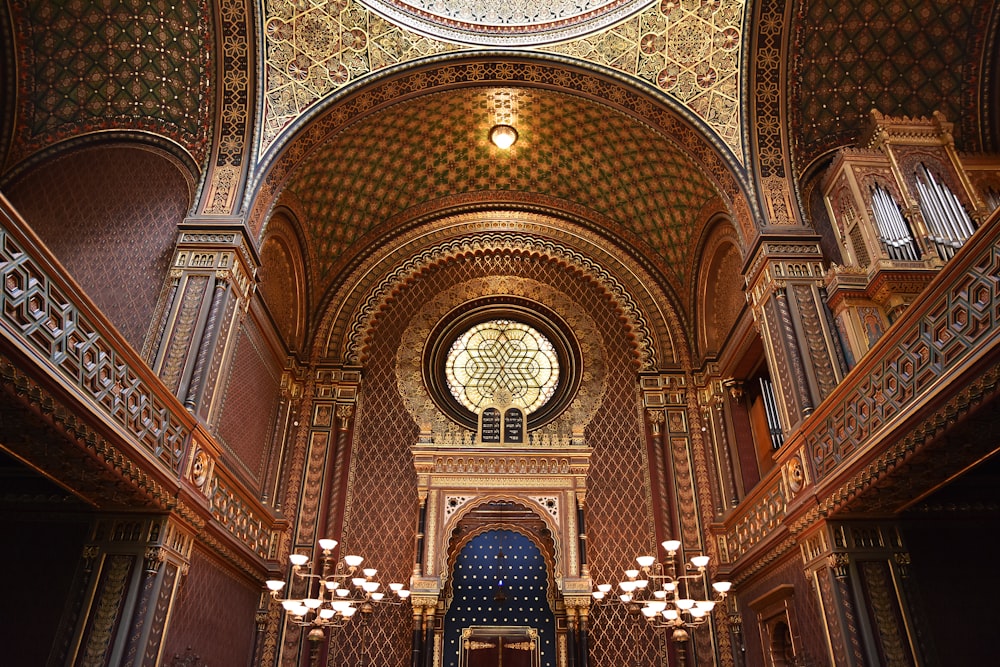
x=572, y=153
x=750, y=78
x=902, y=57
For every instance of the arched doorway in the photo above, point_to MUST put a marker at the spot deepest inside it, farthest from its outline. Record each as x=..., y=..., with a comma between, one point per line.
x=499, y=603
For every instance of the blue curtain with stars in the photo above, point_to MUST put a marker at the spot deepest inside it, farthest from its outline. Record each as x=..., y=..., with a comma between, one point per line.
x=500, y=579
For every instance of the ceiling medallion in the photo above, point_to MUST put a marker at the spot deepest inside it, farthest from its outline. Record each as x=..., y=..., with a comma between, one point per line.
x=496, y=23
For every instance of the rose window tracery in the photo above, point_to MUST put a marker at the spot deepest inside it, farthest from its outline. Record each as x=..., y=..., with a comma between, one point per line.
x=502, y=361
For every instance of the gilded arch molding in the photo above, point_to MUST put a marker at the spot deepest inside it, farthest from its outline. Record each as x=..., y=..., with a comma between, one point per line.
x=410, y=355
x=651, y=312
x=659, y=112
x=552, y=552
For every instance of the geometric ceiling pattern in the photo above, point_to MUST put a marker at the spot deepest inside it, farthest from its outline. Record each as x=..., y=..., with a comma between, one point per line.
x=902, y=57
x=687, y=49
x=512, y=23
x=569, y=150
x=130, y=64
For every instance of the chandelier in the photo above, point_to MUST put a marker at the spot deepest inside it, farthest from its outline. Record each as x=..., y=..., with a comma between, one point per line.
x=663, y=592
x=333, y=594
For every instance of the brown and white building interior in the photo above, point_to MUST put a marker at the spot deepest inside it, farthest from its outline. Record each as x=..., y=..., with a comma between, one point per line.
x=621, y=333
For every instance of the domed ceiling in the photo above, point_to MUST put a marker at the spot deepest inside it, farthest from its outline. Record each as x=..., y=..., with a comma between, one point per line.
x=572, y=154
x=514, y=23
x=688, y=50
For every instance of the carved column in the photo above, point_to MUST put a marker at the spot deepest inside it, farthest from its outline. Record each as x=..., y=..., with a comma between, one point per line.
x=572, y=638
x=317, y=472
x=583, y=634
x=211, y=282
x=785, y=282
x=857, y=569
x=131, y=571
x=669, y=407
x=712, y=399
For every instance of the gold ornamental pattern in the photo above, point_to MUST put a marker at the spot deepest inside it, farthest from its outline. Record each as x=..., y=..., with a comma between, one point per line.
x=687, y=49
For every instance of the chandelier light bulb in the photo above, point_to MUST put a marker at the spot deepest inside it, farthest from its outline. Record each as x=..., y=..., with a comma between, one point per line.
x=699, y=561
x=353, y=561
x=670, y=614
x=289, y=605
x=349, y=611
x=395, y=588
x=378, y=596
x=275, y=585
x=641, y=583
x=648, y=612
x=369, y=572
x=722, y=587
x=331, y=585
x=298, y=560
x=705, y=605
x=631, y=574
x=684, y=604
x=604, y=588
x=327, y=614
x=598, y=595
x=403, y=594
x=671, y=546
x=343, y=592
x=695, y=612
x=327, y=544
x=503, y=136
x=312, y=603
x=645, y=561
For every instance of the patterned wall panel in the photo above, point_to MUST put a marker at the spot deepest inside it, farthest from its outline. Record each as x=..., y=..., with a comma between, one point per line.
x=246, y=422
x=116, y=64
x=382, y=507
x=627, y=172
x=112, y=231
x=902, y=57
x=280, y=279
x=213, y=616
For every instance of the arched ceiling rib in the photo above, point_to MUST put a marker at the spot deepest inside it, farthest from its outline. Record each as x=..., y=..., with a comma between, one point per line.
x=687, y=49
x=435, y=147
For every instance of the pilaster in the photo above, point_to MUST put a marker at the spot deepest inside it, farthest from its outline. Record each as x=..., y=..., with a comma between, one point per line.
x=857, y=569
x=785, y=282
x=212, y=279
x=131, y=570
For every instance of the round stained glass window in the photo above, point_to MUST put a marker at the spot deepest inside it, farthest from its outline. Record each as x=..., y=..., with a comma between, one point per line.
x=504, y=362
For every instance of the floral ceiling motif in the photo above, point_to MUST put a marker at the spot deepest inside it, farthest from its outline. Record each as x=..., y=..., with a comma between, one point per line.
x=902, y=57
x=687, y=49
x=511, y=23
x=121, y=64
x=380, y=166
